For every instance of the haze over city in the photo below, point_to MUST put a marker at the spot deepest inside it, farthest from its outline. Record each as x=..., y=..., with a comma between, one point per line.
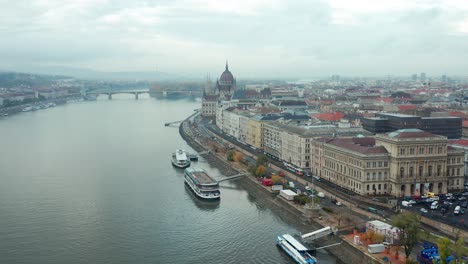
x=259, y=38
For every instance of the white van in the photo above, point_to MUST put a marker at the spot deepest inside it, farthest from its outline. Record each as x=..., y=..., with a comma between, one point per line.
x=457, y=210
x=434, y=205
x=406, y=203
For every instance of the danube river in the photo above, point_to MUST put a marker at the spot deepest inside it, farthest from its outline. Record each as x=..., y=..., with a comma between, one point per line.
x=91, y=182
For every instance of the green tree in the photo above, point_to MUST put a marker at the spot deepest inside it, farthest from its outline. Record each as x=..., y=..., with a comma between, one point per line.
x=459, y=249
x=316, y=199
x=409, y=225
x=230, y=156
x=301, y=199
x=411, y=261
x=262, y=160
x=443, y=244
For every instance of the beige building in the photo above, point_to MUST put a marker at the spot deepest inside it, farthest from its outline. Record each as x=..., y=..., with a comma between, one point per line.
x=406, y=162
x=421, y=162
x=209, y=103
x=272, y=139
x=356, y=164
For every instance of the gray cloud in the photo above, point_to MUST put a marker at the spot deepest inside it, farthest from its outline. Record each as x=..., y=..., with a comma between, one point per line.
x=259, y=37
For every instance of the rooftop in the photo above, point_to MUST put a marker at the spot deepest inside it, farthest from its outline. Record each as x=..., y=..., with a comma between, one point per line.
x=458, y=142
x=362, y=145
x=201, y=176
x=398, y=115
x=411, y=133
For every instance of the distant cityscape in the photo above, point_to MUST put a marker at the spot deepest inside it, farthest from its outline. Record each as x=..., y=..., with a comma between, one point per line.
x=398, y=137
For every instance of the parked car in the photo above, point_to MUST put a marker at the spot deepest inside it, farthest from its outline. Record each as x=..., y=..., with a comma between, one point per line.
x=444, y=209
x=405, y=204
x=423, y=210
x=457, y=210
x=464, y=204
x=339, y=203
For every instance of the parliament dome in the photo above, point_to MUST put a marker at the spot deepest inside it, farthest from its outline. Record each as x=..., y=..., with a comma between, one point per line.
x=226, y=77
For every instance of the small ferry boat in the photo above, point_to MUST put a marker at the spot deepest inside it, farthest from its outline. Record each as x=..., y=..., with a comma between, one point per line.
x=27, y=109
x=192, y=157
x=296, y=250
x=202, y=184
x=179, y=159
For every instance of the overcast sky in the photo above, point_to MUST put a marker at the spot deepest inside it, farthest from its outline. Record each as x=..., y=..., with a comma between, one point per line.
x=259, y=37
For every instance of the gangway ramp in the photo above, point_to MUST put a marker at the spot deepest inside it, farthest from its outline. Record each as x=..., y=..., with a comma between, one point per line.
x=317, y=234
x=232, y=177
x=204, y=152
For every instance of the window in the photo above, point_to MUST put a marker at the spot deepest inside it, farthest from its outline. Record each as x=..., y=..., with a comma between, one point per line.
x=439, y=150
x=374, y=164
x=380, y=175
x=431, y=150
x=429, y=170
x=458, y=171
x=380, y=187
x=368, y=164
x=402, y=151
x=439, y=168
x=385, y=186
x=411, y=171
x=385, y=164
x=373, y=176
x=380, y=164
x=420, y=171
x=368, y=177
x=458, y=160
x=402, y=172
x=385, y=175
x=367, y=186
x=421, y=151
x=411, y=151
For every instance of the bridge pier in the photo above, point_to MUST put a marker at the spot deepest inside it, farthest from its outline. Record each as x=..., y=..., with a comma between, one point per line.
x=109, y=96
x=136, y=96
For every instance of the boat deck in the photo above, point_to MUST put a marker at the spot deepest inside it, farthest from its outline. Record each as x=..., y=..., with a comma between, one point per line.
x=201, y=176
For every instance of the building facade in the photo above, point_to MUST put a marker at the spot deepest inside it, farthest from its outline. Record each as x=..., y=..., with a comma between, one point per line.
x=450, y=127
x=407, y=162
x=421, y=162
x=357, y=165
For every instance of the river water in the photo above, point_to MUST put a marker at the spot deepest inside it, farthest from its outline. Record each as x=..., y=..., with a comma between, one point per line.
x=91, y=182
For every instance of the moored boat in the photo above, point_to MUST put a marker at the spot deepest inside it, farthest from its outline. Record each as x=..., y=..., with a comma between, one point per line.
x=192, y=157
x=202, y=184
x=27, y=109
x=295, y=249
x=179, y=159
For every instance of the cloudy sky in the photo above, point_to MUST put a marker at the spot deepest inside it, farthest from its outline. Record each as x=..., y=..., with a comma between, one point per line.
x=264, y=38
